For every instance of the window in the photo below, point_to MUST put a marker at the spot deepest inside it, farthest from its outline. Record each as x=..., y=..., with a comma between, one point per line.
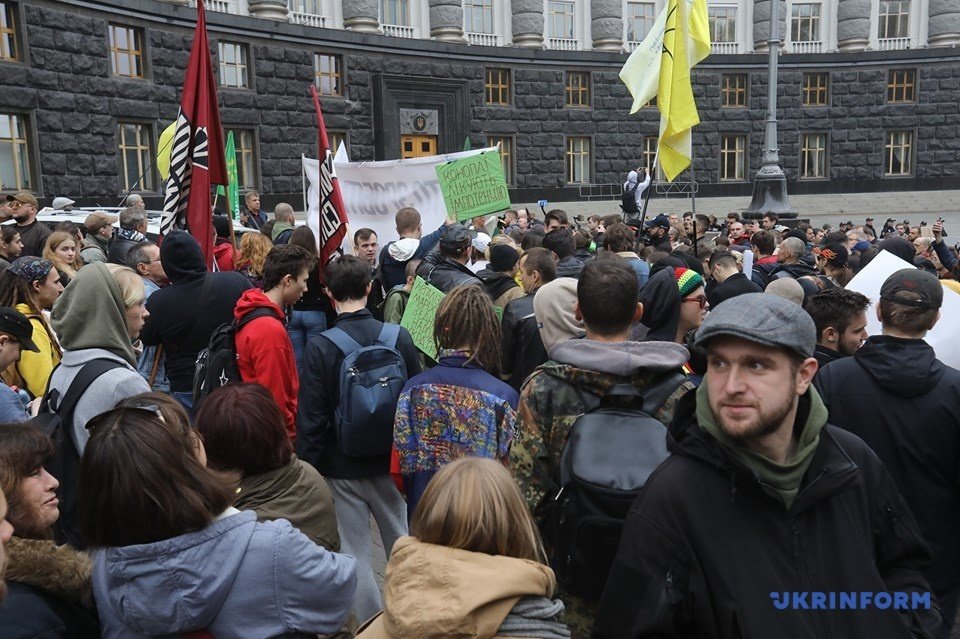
x=246, y=158
x=506, y=156
x=805, y=24
x=734, y=90
x=395, y=12
x=898, y=156
x=9, y=46
x=336, y=138
x=640, y=17
x=733, y=157
x=815, y=87
x=307, y=7
x=813, y=155
x=478, y=16
x=894, y=19
x=578, y=89
x=328, y=73
x=723, y=24
x=233, y=65
x=136, y=157
x=901, y=85
x=126, y=51
x=578, y=160
x=15, y=171
x=498, y=86
x=560, y=19
x=649, y=150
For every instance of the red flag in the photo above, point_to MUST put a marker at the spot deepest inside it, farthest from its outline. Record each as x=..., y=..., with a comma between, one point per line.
x=333, y=217
x=197, y=160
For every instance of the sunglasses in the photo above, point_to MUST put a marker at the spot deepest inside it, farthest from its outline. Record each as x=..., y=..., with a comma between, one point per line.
x=701, y=299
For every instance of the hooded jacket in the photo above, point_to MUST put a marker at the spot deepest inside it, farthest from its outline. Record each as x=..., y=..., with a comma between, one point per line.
x=395, y=255
x=235, y=578
x=223, y=253
x=179, y=318
x=281, y=232
x=569, y=266
x=90, y=319
x=902, y=401
x=33, y=370
x=94, y=249
x=796, y=271
x=435, y=592
x=661, y=307
x=710, y=549
x=265, y=354
x=501, y=288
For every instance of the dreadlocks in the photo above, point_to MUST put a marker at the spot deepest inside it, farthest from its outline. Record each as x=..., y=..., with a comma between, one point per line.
x=466, y=320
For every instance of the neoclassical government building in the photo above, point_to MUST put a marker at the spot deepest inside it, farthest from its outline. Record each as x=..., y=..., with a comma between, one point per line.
x=869, y=91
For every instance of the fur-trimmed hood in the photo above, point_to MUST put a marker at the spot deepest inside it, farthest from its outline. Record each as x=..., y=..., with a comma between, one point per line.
x=60, y=570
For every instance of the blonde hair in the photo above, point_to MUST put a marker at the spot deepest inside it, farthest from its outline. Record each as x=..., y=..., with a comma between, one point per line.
x=500, y=239
x=50, y=253
x=130, y=284
x=475, y=504
x=253, y=252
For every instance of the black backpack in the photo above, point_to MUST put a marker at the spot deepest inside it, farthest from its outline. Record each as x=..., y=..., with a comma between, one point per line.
x=55, y=418
x=628, y=201
x=217, y=363
x=610, y=452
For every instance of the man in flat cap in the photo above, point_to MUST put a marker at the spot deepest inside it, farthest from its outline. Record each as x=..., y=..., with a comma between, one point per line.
x=765, y=521
x=902, y=401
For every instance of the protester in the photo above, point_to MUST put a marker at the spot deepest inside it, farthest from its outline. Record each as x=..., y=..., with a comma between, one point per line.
x=173, y=556
x=96, y=244
x=133, y=226
x=656, y=233
x=33, y=234
x=833, y=261
x=583, y=370
x=459, y=407
x=31, y=285
x=398, y=296
x=224, y=252
x=560, y=242
x=264, y=350
x=474, y=565
x=365, y=244
x=478, y=258
x=251, y=256
x=284, y=220
x=10, y=245
x=48, y=586
x=840, y=317
x=446, y=269
x=522, y=346
x=553, y=310
x=661, y=308
x=251, y=216
x=498, y=276
x=361, y=485
x=633, y=189
x=244, y=433
x=693, y=303
x=184, y=315
x=902, y=401
x=760, y=499
x=787, y=288
x=411, y=246
x=765, y=262
x=61, y=251
x=620, y=239
x=730, y=280
x=16, y=334
x=309, y=317
x=144, y=258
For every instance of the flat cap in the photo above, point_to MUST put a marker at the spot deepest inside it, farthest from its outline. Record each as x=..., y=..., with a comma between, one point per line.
x=769, y=320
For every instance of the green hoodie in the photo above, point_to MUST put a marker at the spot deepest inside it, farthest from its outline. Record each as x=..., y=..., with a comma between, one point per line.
x=90, y=314
x=278, y=228
x=779, y=480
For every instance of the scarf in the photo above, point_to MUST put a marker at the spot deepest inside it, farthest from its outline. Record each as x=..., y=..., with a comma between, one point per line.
x=535, y=618
x=131, y=234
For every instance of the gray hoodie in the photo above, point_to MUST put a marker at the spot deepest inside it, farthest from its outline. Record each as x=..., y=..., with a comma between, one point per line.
x=621, y=358
x=235, y=579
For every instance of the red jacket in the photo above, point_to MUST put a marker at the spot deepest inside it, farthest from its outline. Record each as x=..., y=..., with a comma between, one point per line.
x=265, y=354
x=223, y=254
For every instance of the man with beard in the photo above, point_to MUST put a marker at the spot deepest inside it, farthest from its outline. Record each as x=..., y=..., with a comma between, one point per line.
x=33, y=234
x=841, y=320
x=764, y=514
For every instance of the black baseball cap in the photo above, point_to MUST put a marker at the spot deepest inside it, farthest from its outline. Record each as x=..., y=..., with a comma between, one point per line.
x=661, y=220
x=925, y=285
x=15, y=323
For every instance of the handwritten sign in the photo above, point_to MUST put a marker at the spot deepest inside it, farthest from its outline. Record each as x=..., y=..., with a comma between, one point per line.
x=420, y=314
x=474, y=186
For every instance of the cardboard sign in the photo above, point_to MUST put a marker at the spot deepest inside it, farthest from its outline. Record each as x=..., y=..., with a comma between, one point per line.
x=474, y=186
x=420, y=314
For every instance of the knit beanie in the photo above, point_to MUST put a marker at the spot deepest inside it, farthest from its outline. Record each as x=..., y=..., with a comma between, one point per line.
x=688, y=280
x=503, y=257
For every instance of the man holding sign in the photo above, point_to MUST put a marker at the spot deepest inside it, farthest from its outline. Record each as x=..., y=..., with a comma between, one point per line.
x=448, y=270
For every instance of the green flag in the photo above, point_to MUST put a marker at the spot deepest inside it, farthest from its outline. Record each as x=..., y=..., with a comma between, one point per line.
x=233, y=181
x=466, y=144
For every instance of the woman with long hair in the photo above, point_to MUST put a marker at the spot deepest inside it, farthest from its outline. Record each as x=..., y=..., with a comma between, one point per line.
x=459, y=407
x=31, y=285
x=48, y=586
x=173, y=556
x=474, y=565
x=61, y=250
x=252, y=256
x=309, y=317
x=10, y=245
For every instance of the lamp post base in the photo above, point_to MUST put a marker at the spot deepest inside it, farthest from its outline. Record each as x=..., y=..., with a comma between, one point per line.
x=770, y=195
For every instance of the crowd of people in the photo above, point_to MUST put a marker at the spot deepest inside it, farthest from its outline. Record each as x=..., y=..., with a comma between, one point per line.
x=625, y=427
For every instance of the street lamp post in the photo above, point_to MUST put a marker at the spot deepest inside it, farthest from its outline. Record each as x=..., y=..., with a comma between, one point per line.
x=770, y=183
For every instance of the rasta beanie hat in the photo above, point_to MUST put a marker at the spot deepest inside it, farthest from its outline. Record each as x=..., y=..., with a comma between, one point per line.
x=688, y=280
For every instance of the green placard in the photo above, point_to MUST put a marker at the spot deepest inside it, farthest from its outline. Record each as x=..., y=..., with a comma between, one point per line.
x=474, y=186
x=419, y=315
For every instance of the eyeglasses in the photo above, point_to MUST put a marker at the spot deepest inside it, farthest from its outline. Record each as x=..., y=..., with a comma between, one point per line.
x=702, y=299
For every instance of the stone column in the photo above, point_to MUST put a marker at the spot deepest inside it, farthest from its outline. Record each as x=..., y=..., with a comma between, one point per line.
x=761, y=24
x=268, y=9
x=944, y=26
x=853, y=25
x=446, y=20
x=361, y=15
x=528, y=23
x=606, y=24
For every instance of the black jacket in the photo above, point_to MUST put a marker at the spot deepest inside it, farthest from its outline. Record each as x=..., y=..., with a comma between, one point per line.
x=704, y=546
x=825, y=356
x=319, y=395
x=29, y=612
x=900, y=399
x=761, y=273
x=446, y=274
x=119, y=248
x=522, y=346
x=569, y=267
x=496, y=283
x=184, y=315
x=736, y=284
x=796, y=271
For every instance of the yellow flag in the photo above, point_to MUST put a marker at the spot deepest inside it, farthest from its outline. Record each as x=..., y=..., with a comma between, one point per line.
x=164, y=148
x=641, y=73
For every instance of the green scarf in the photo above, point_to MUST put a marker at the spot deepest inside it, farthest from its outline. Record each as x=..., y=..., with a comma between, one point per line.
x=779, y=480
x=278, y=228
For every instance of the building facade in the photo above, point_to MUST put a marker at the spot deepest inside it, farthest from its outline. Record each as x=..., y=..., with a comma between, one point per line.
x=869, y=91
